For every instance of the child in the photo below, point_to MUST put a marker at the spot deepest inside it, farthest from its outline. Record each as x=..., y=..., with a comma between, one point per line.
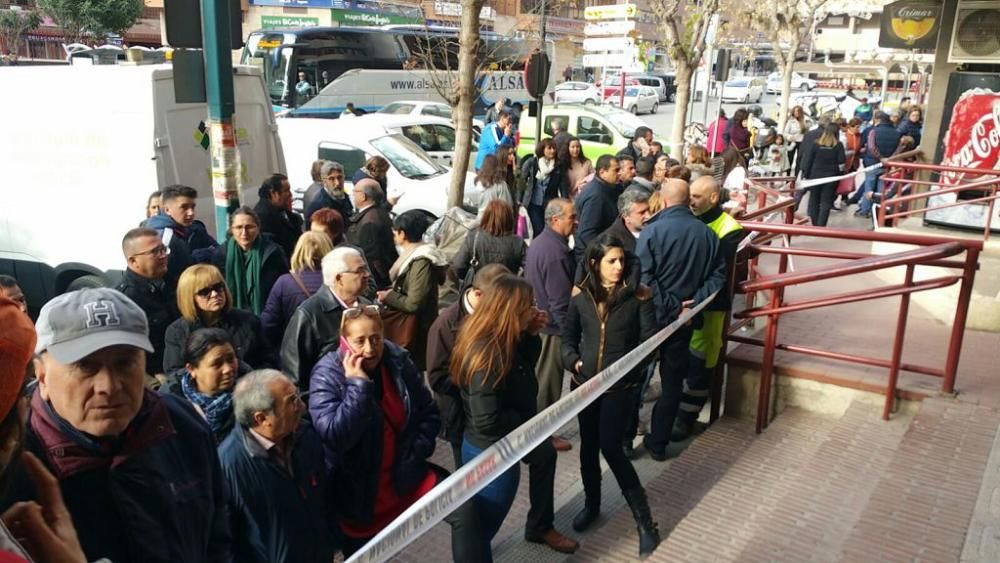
x=777, y=163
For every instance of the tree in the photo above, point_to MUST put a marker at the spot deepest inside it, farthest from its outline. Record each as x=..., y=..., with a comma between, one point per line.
x=13, y=24
x=68, y=15
x=94, y=17
x=684, y=25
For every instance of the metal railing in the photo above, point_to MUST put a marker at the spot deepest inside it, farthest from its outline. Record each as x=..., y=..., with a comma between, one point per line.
x=902, y=173
x=931, y=252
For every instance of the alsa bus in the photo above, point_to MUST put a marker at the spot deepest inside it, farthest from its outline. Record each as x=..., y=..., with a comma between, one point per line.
x=319, y=70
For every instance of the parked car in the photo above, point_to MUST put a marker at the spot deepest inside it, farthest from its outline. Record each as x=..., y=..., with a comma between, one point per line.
x=612, y=86
x=745, y=90
x=420, y=181
x=637, y=99
x=816, y=104
x=799, y=82
x=601, y=129
x=436, y=135
x=662, y=84
x=431, y=109
x=576, y=92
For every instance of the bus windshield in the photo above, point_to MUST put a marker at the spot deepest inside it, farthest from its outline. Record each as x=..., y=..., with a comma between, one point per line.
x=264, y=50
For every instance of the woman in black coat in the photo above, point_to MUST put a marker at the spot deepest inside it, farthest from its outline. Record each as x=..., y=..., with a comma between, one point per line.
x=204, y=301
x=493, y=242
x=601, y=328
x=250, y=261
x=825, y=160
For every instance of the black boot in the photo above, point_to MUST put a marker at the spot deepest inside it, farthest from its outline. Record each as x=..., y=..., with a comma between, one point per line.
x=649, y=535
x=591, y=508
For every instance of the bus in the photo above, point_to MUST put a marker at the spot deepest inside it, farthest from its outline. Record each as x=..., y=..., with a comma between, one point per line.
x=317, y=71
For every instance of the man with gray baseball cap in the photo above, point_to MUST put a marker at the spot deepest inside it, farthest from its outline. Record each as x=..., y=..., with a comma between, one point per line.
x=138, y=471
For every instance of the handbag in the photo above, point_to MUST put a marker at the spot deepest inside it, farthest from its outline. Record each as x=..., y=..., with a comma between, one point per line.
x=470, y=274
x=399, y=327
x=298, y=282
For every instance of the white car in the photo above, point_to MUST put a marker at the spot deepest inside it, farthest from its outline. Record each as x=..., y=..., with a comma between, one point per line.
x=430, y=109
x=576, y=92
x=816, y=104
x=418, y=180
x=638, y=99
x=744, y=90
x=799, y=82
x=436, y=135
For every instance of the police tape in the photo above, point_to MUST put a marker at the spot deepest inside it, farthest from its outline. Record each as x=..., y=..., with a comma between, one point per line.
x=803, y=184
x=464, y=483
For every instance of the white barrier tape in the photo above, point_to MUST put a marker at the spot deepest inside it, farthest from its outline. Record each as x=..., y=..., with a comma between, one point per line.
x=464, y=483
x=803, y=184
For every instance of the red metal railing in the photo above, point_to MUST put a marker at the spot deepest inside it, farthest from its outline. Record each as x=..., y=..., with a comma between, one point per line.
x=931, y=252
x=902, y=173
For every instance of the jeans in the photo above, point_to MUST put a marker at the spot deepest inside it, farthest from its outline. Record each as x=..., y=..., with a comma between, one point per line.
x=872, y=185
x=674, y=357
x=493, y=502
x=536, y=214
x=820, y=202
x=602, y=428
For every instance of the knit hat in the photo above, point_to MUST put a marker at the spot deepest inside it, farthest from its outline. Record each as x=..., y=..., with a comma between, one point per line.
x=17, y=341
x=76, y=324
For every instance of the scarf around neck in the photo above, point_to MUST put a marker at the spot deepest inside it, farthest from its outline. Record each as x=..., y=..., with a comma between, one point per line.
x=217, y=409
x=545, y=167
x=243, y=275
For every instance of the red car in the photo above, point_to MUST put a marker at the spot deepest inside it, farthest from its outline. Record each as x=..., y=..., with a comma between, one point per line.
x=612, y=86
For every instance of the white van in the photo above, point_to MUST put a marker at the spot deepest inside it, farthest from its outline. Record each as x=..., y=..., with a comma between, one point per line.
x=84, y=146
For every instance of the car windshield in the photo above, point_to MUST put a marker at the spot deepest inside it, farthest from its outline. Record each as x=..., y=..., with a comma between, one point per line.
x=736, y=83
x=405, y=156
x=397, y=108
x=624, y=122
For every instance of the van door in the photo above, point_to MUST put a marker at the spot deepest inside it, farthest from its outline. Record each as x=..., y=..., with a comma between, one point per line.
x=595, y=136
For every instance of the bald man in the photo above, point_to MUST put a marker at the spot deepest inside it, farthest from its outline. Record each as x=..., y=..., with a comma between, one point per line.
x=706, y=341
x=680, y=260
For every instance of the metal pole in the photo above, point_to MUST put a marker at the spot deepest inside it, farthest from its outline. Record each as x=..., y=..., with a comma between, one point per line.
x=958, y=325
x=897, y=346
x=708, y=85
x=540, y=99
x=216, y=36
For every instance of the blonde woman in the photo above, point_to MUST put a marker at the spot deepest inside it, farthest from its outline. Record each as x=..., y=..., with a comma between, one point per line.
x=204, y=301
x=294, y=287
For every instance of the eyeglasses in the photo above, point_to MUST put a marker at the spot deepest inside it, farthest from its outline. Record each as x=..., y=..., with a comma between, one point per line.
x=362, y=271
x=352, y=313
x=160, y=250
x=219, y=288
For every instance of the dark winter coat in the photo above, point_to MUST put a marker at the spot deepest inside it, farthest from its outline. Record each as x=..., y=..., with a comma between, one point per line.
x=190, y=245
x=273, y=264
x=415, y=292
x=885, y=138
x=361, y=174
x=284, y=299
x=323, y=199
x=508, y=250
x=806, y=147
x=157, y=497
x=284, y=226
x=549, y=268
x=824, y=162
x=313, y=330
x=493, y=410
x=347, y=415
x=440, y=343
x=597, y=207
x=242, y=326
x=910, y=129
x=557, y=184
x=371, y=229
x=601, y=339
x=680, y=260
x=277, y=516
x=157, y=300
x=736, y=135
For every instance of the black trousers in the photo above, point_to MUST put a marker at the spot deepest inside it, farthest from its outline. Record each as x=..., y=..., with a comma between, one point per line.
x=674, y=357
x=603, y=427
x=821, y=199
x=541, y=489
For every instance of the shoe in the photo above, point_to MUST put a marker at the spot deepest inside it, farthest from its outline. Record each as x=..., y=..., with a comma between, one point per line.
x=555, y=541
x=561, y=445
x=656, y=454
x=835, y=208
x=649, y=533
x=682, y=431
x=587, y=516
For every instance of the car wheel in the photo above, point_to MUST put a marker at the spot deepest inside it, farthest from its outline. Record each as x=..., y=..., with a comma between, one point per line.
x=807, y=87
x=656, y=108
x=672, y=98
x=589, y=102
x=634, y=110
x=86, y=282
x=746, y=99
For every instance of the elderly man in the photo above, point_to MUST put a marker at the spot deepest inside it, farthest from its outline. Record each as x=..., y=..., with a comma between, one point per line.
x=332, y=195
x=679, y=258
x=138, y=471
x=371, y=230
x=560, y=136
x=276, y=217
x=314, y=329
x=144, y=283
x=597, y=203
x=275, y=475
x=706, y=341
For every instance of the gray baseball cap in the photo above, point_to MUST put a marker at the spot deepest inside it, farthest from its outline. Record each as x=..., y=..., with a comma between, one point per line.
x=76, y=324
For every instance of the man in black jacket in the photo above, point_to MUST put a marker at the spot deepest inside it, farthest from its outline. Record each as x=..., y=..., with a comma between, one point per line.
x=680, y=261
x=332, y=195
x=144, y=283
x=371, y=229
x=276, y=219
x=597, y=204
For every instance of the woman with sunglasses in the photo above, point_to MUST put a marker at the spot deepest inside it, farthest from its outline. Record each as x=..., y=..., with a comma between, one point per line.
x=379, y=424
x=600, y=328
x=204, y=301
x=208, y=377
x=250, y=260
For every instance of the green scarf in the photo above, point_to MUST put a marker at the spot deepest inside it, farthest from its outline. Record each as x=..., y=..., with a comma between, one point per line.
x=243, y=275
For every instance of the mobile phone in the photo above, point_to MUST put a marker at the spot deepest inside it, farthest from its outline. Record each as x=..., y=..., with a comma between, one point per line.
x=344, y=346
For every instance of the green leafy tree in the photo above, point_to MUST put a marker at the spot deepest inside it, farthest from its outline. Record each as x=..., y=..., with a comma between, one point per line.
x=13, y=24
x=68, y=15
x=94, y=17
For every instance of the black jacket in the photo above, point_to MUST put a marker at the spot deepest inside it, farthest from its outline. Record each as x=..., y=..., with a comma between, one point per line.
x=323, y=199
x=157, y=300
x=557, y=185
x=277, y=516
x=493, y=410
x=313, y=330
x=188, y=245
x=601, y=340
x=824, y=162
x=597, y=207
x=680, y=260
x=488, y=249
x=440, y=342
x=242, y=326
x=284, y=226
x=806, y=147
x=273, y=265
x=371, y=229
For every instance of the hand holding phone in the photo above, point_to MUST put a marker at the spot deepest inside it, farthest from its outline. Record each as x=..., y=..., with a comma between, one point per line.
x=352, y=360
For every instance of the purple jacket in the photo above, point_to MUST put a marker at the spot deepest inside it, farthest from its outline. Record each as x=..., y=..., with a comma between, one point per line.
x=549, y=269
x=284, y=299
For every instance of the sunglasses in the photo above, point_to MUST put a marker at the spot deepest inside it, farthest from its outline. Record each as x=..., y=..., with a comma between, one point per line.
x=352, y=313
x=219, y=288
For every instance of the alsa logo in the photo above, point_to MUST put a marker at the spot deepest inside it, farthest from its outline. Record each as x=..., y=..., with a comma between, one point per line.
x=973, y=138
x=504, y=81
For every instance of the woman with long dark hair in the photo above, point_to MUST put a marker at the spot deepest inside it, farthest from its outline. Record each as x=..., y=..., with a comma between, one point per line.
x=491, y=181
x=543, y=180
x=601, y=328
x=579, y=169
x=825, y=160
x=737, y=135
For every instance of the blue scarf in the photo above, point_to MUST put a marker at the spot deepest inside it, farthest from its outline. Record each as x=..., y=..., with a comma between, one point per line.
x=218, y=409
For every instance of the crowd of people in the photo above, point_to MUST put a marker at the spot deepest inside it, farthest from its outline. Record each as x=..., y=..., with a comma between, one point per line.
x=263, y=398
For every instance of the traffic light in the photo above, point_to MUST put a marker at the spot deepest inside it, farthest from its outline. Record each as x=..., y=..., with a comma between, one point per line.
x=184, y=23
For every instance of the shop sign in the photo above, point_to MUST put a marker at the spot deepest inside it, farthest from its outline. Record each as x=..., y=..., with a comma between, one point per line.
x=616, y=11
x=284, y=22
x=371, y=19
x=910, y=24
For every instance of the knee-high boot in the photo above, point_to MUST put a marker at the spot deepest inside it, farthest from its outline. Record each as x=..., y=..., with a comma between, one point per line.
x=649, y=535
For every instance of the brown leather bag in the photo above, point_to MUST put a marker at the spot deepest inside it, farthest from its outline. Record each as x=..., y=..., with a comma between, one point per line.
x=399, y=327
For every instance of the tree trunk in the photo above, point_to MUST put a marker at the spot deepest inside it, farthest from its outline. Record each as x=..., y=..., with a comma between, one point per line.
x=787, y=65
x=468, y=48
x=684, y=72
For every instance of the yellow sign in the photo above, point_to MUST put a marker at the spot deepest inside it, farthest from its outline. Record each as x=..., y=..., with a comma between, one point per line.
x=617, y=11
